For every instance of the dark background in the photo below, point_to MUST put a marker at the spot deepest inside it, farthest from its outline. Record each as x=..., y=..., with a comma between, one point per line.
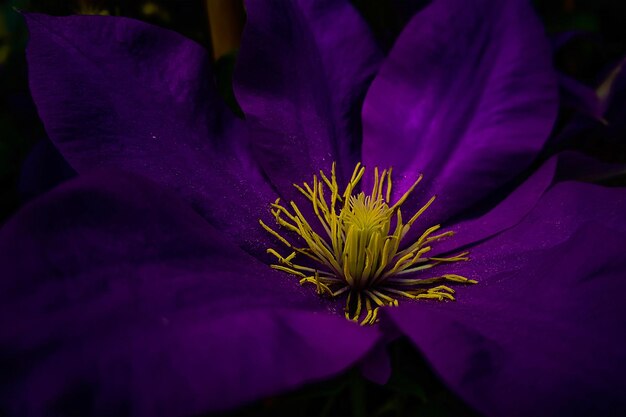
x=589, y=41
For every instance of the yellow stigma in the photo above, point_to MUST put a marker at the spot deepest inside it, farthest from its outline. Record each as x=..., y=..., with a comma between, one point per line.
x=362, y=253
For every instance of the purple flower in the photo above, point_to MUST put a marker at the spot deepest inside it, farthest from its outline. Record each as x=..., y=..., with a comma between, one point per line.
x=144, y=286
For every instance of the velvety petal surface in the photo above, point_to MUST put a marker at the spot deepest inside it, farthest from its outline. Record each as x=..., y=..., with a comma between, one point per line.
x=118, y=93
x=117, y=298
x=467, y=96
x=581, y=167
x=300, y=79
x=42, y=169
x=511, y=209
x=508, y=211
x=542, y=331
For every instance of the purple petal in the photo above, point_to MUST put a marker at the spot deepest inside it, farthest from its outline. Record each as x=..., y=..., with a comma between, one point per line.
x=119, y=93
x=506, y=214
x=117, y=298
x=300, y=78
x=542, y=331
x=467, y=96
x=514, y=207
x=42, y=169
x=376, y=365
x=581, y=167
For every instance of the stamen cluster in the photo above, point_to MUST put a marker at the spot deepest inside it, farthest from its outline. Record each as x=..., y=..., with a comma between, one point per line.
x=361, y=252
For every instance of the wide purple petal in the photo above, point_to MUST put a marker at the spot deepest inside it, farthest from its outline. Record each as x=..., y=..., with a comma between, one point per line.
x=542, y=331
x=117, y=298
x=300, y=78
x=119, y=93
x=508, y=211
x=581, y=167
x=42, y=169
x=511, y=209
x=467, y=97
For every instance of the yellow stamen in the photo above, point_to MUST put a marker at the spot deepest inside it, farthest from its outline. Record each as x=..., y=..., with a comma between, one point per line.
x=361, y=254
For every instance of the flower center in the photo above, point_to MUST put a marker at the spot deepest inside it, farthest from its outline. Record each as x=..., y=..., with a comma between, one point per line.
x=360, y=248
